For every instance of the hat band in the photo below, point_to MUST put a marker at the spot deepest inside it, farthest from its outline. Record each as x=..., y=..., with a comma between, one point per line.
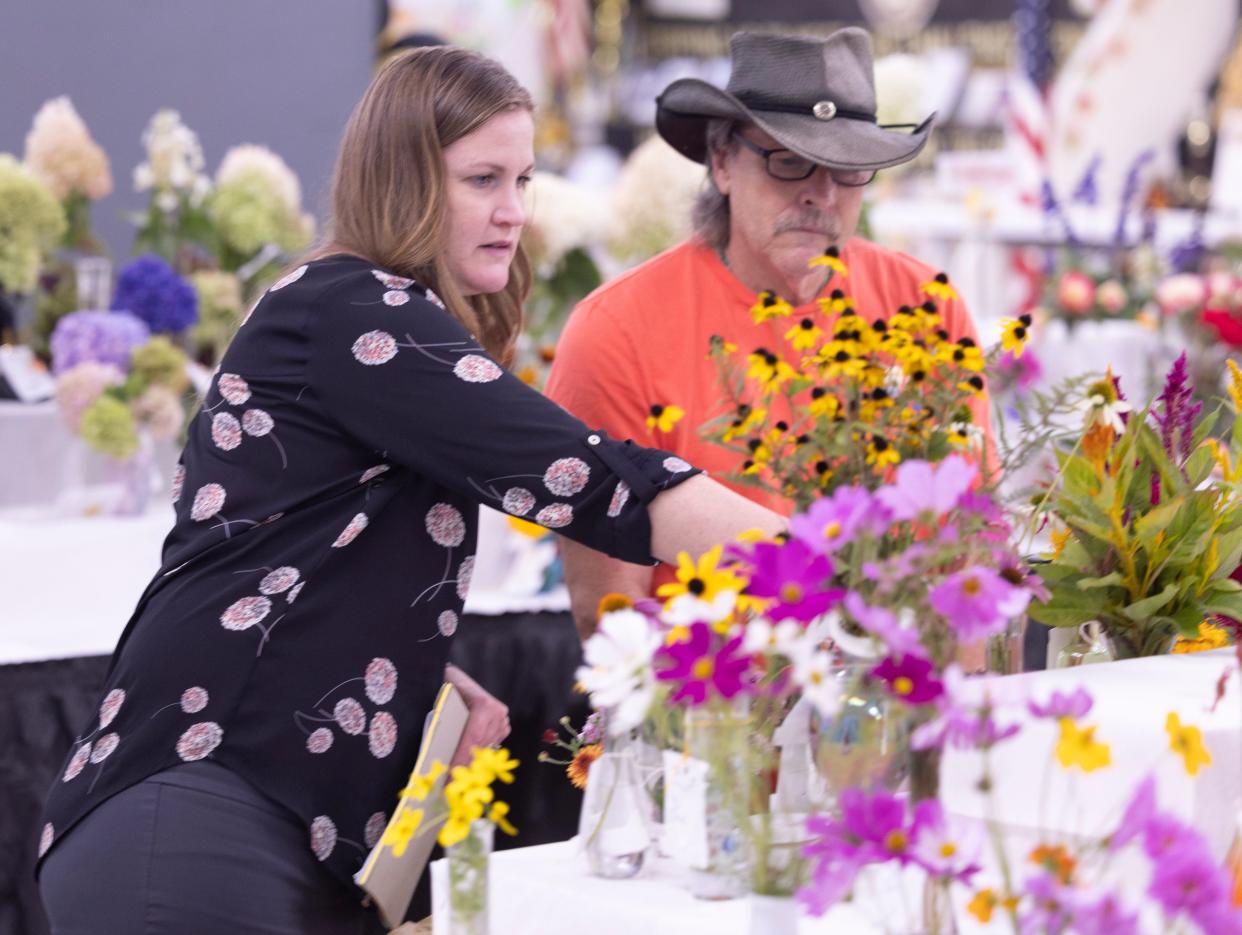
x=759, y=102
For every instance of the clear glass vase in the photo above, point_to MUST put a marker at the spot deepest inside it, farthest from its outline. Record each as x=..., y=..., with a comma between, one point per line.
x=773, y=915
x=615, y=826
x=866, y=743
x=469, y=862
x=719, y=736
x=131, y=480
x=937, y=909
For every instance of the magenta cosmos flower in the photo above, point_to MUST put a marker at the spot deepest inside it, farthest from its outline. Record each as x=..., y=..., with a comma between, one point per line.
x=834, y=521
x=795, y=578
x=977, y=601
x=925, y=490
x=909, y=679
x=699, y=669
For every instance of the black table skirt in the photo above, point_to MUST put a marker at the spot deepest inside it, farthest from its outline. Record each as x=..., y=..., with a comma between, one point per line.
x=525, y=660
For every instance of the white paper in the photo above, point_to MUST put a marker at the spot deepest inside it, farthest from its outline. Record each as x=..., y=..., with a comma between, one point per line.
x=685, y=810
x=30, y=381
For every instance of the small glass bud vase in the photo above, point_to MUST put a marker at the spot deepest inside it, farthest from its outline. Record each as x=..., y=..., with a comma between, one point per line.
x=469, y=861
x=615, y=824
x=719, y=738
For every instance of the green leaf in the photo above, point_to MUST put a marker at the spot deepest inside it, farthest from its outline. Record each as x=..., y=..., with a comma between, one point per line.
x=1171, y=479
x=1070, y=607
x=1157, y=521
x=1108, y=581
x=1199, y=465
x=1188, y=620
x=1078, y=477
x=1140, y=610
x=1227, y=605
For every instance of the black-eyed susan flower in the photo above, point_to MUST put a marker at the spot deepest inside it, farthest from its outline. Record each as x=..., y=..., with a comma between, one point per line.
x=746, y=419
x=880, y=453
x=831, y=259
x=823, y=405
x=804, y=335
x=965, y=354
x=768, y=369
x=904, y=319
x=663, y=418
x=928, y=316
x=973, y=384
x=939, y=288
x=1014, y=332
x=703, y=578
x=769, y=305
x=836, y=360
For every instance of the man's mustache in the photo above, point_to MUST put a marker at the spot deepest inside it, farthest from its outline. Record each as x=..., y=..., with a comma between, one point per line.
x=815, y=221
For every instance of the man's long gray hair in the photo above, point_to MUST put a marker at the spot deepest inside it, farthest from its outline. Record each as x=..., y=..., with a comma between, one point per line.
x=710, y=215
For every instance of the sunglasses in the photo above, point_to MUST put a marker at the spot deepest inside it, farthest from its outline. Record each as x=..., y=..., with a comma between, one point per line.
x=788, y=166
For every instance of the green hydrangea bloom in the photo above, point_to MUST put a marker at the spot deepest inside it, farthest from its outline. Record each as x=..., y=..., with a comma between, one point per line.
x=108, y=427
x=219, y=312
x=249, y=214
x=31, y=224
x=160, y=363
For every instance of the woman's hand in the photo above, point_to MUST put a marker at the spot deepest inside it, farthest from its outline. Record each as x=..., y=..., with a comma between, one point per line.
x=488, y=723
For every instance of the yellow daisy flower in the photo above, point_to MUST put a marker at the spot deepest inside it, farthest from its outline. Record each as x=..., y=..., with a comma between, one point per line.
x=804, y=335
x=1078, y=747
x=965, y=354
x=928, y=317
x=823, y=404
x=832, y=260
x=904, y=319
x=768, y=369
x=747, y=419
x=835, y=360
x=769, y=305
x=420, y=787
x=939, y=288
x=973, y=384
x=1014, y=333
x=663, y=418
x=1186, y=741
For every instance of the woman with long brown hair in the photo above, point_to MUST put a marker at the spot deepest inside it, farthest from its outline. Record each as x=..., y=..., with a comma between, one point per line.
x=266, y=700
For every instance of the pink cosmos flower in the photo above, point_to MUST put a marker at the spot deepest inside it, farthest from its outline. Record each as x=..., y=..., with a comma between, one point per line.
x=901, y=636
x=1076, y=704
x=967, y=717
x=923, y=489
x=701, y=670
x=795, y=577
x=977, y=601
x=1138, y=813
x=834, y=521
x=909, y=679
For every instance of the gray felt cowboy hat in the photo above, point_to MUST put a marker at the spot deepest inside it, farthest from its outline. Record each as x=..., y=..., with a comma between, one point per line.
x=815, y=97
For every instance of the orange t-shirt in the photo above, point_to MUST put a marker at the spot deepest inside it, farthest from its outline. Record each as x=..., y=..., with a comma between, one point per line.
x=642, y=339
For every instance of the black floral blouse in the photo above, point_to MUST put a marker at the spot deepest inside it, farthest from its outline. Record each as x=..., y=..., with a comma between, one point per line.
x=326, y=503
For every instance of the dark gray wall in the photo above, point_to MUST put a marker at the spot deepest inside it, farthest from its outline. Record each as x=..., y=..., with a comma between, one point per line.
x=284, y=73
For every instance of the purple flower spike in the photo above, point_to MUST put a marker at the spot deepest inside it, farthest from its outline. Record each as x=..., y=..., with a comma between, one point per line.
x=1176, y=413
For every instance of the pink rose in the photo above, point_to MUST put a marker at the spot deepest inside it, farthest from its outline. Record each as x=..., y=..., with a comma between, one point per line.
x=1112, y=296
x=1181, y=293
x=1076, y=293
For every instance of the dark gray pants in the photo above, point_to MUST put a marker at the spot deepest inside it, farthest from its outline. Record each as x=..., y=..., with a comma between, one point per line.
x=194, y=850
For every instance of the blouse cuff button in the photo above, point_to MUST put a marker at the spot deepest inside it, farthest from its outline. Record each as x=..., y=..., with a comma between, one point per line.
x=592, y=439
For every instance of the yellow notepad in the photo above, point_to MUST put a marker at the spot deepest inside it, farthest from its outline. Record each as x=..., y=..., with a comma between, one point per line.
x=390, y=880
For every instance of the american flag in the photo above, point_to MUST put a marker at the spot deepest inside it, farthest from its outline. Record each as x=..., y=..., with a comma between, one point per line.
x=1026, y=115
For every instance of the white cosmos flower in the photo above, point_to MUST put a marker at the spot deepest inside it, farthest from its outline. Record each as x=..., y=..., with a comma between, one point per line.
x=1098, y=410
x=781, y=639
x=813, y=672
x=618, y=672
x=686, y=609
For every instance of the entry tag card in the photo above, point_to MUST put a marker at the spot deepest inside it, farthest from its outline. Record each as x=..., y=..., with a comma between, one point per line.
x=685, y=809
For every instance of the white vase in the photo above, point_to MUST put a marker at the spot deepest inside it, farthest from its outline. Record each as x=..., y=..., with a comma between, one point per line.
x=773, y=915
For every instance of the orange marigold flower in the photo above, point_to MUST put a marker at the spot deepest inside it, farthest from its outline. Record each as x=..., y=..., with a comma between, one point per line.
x=579, y=767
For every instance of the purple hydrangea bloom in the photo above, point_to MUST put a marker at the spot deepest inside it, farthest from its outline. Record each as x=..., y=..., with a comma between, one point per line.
x=97, y=337
x=151, y=289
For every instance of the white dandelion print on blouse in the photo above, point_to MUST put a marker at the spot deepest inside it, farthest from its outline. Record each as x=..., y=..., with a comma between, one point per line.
x=323, y=837
x=371, y=473
x=178, y=482
x=381, y=680
x=518, y=500
x=288, y=280
x=446, y=525
x=233, y=388
x=226, y=431
x=250, y=611
x=77, y=763
x=555, y=516
x=375, y=348
x=194, y=699
x=294, y=592
x=475, y=369
x=279, y=580
x=320, y=740
x=465, y=571
x=446, y=623
x=245, y=613
x=351, y=716
x=199, y=741
x=110, y=705
x=396, y=299
x=104, y=747
x=567, y=477
x=208, y=501
x=45, y=839
x=620, y=497
x=677, y=465
x=382, y=737
x=351, y=531
x=374, y=829
x=390, y=281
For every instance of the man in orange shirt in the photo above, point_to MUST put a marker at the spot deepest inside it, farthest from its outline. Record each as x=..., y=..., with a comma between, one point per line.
x=788, y=148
